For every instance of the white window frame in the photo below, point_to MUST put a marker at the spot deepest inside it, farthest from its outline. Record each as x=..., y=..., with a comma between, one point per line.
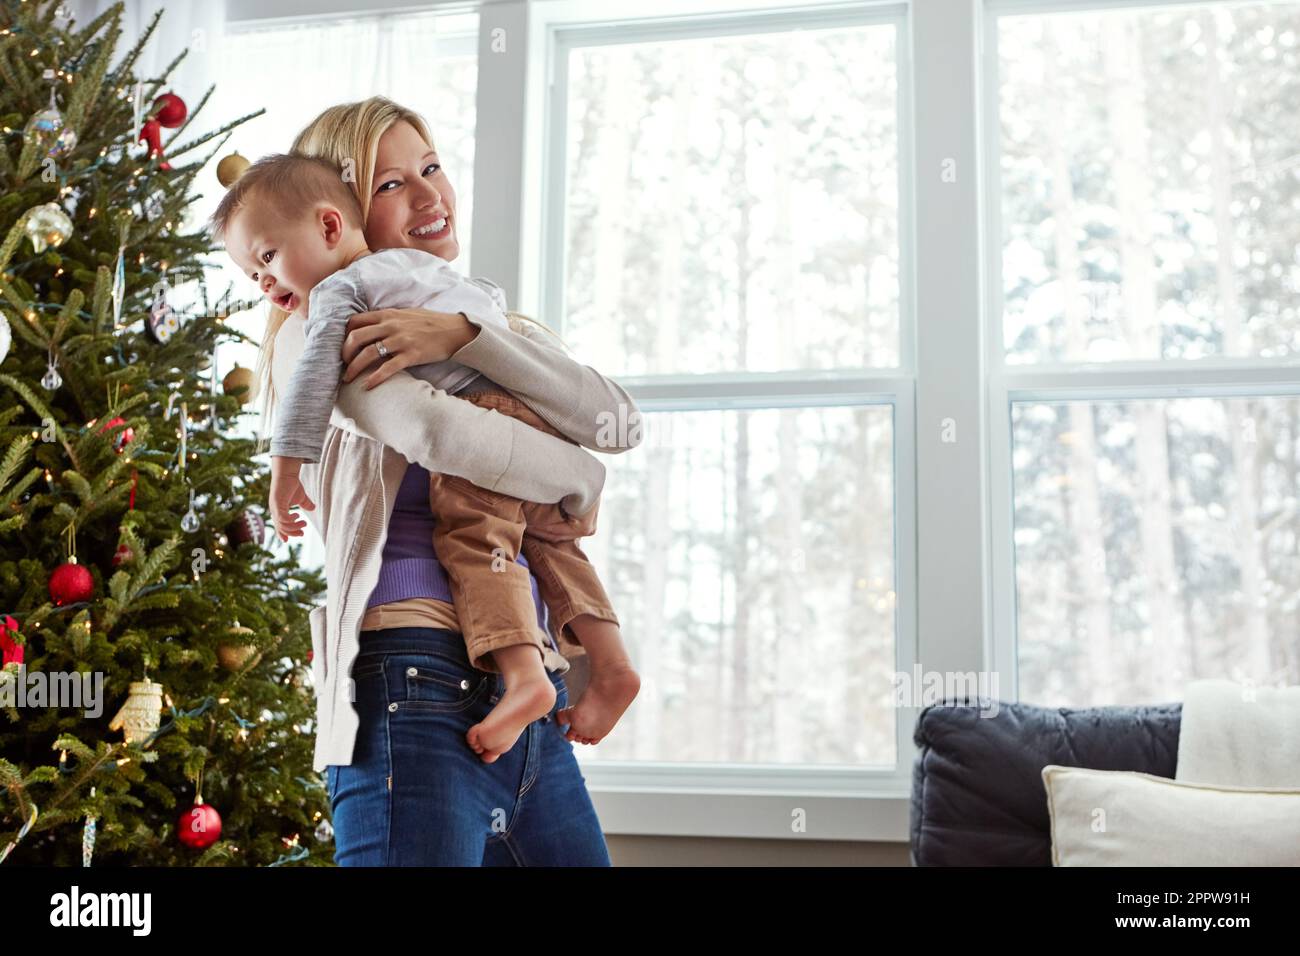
x=1054, y=382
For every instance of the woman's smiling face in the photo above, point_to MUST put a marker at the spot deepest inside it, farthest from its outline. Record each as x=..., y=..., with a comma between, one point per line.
x=412, y=204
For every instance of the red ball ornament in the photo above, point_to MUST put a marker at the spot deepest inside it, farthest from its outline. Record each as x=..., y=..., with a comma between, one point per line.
x=124, y=439
x=199, y=826
x=170, y=110
x=71, y=583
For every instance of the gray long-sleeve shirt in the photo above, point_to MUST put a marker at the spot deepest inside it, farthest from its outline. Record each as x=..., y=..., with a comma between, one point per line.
x=391, y=279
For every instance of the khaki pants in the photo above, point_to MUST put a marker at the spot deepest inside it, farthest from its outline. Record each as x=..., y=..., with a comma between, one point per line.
x=480, y=534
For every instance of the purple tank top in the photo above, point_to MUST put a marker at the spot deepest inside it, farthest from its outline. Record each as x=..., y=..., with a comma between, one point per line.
x=410, y=569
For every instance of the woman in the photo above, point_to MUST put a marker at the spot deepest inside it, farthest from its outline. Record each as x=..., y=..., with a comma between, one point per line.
x=404, y=786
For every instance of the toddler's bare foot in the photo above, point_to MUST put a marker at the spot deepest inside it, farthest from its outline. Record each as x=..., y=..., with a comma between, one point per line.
x=610, y=691
x=527, y=700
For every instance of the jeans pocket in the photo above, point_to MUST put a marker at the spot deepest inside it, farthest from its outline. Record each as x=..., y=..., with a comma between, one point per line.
x=434, y=683
x=367, y=665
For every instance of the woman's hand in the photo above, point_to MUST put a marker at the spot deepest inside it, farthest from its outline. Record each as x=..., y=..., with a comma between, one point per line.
x=411, y=337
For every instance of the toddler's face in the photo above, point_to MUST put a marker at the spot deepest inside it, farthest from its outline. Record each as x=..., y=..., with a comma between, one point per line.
x=286, y=258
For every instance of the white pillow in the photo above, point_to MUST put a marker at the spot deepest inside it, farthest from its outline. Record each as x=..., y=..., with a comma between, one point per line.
x=1124, y=818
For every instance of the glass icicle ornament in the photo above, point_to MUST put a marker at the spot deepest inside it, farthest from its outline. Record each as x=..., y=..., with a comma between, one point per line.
x=184, y=436
x=213, y=424
x=119, y=288
x=137, y=110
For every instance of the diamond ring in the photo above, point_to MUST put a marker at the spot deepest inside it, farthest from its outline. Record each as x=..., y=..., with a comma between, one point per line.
x=383, y=352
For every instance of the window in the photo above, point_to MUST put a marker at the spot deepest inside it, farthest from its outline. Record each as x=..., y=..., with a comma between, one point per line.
x=748, y=553
x=727, y=244
x=1148, y=171
x=733, y=201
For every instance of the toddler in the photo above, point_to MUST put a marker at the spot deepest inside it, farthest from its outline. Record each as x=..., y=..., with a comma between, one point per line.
x=294, y=226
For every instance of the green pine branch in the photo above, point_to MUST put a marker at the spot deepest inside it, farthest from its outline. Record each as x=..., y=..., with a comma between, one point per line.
x=180, y=150
x=37, y=405
x=123, y=71
x=19, y=324
x=102, y=297
x=70, y=309
x=113, y=15
x=153, y=88
x=15, y=235
x=79, y=40
x=89, y=85
x=13, y=52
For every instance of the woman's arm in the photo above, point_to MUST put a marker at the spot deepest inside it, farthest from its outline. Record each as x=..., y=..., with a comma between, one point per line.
x=452, y=436
x=578, y=401
x=449, y=435
x=527, y=361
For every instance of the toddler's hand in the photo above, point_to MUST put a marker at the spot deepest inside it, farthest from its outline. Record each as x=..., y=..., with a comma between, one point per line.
x=287, y=492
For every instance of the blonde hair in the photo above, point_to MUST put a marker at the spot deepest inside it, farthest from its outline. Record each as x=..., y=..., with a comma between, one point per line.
x=344, y=135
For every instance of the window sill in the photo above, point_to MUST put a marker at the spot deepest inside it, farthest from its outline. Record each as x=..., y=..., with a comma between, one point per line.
x=715, y=813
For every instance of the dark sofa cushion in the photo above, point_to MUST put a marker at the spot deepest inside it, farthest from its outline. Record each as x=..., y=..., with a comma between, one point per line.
x=977, y=787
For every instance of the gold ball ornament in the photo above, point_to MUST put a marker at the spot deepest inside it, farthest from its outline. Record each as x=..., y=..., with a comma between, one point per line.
x=239, y=382
x=233, y=657
x=231, y=168
x=48, y=225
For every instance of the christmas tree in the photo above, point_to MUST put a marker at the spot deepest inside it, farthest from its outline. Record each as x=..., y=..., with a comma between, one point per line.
x=156, y=705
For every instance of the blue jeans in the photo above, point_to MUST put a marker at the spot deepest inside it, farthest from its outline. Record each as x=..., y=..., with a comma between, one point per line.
x=415, y=793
